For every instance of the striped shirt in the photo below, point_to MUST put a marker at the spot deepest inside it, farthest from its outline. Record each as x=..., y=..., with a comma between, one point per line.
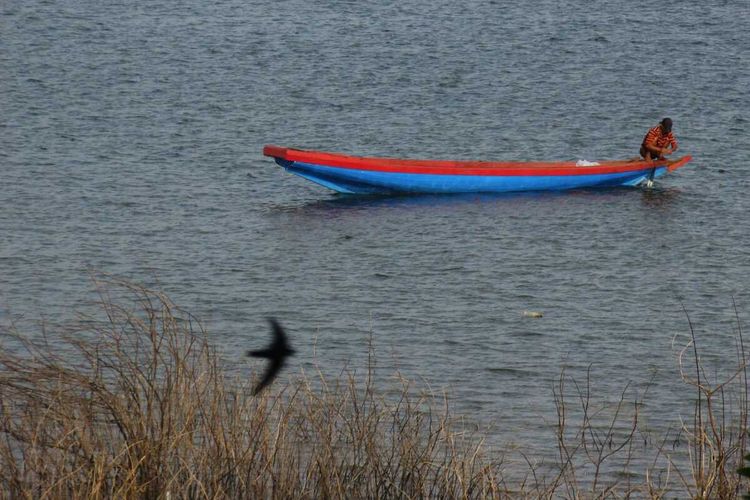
x=655, y=137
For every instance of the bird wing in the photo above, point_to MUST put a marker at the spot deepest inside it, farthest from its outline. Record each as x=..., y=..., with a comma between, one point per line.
x=273, y=369
x=279, y=336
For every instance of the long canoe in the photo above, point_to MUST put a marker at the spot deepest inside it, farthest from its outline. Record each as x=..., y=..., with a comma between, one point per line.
x=354, y=174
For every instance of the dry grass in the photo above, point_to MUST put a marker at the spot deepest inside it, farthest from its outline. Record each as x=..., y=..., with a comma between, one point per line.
x=717, y=435
x=137, y=404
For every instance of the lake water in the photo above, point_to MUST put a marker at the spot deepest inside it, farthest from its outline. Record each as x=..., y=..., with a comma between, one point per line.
x=131, y=138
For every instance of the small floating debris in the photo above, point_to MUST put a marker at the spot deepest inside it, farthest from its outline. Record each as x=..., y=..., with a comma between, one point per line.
x=532, y=314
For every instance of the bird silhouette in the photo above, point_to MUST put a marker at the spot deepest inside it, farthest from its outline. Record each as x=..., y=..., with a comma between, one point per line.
x=276, y=353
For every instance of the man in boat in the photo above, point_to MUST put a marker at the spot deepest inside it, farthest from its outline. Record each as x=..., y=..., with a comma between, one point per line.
x=654, y=146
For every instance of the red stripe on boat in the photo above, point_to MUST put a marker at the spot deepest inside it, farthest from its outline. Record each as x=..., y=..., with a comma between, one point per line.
x=459, y=167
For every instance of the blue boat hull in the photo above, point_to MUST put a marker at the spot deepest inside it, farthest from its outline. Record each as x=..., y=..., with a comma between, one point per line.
x=345, y=180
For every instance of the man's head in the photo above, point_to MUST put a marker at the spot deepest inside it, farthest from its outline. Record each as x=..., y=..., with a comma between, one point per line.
x=666, y=125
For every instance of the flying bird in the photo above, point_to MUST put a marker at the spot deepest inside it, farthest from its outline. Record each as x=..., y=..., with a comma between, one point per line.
x=276, y=353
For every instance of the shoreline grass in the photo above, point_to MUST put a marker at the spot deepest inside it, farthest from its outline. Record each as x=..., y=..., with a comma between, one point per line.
x=136, y=403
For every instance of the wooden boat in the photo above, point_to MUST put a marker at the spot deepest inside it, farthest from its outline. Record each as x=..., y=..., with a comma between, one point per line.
x=352, y=174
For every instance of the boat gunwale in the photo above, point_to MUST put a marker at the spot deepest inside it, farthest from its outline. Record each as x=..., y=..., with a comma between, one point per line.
x=464, y=167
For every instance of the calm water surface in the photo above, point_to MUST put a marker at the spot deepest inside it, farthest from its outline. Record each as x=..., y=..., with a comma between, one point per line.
x=130, y=143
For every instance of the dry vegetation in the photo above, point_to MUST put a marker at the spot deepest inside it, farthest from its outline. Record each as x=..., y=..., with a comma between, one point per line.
x=137, y=404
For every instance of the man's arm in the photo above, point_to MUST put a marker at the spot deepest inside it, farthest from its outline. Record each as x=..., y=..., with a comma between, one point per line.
x=654, y=149
x=651, y=146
